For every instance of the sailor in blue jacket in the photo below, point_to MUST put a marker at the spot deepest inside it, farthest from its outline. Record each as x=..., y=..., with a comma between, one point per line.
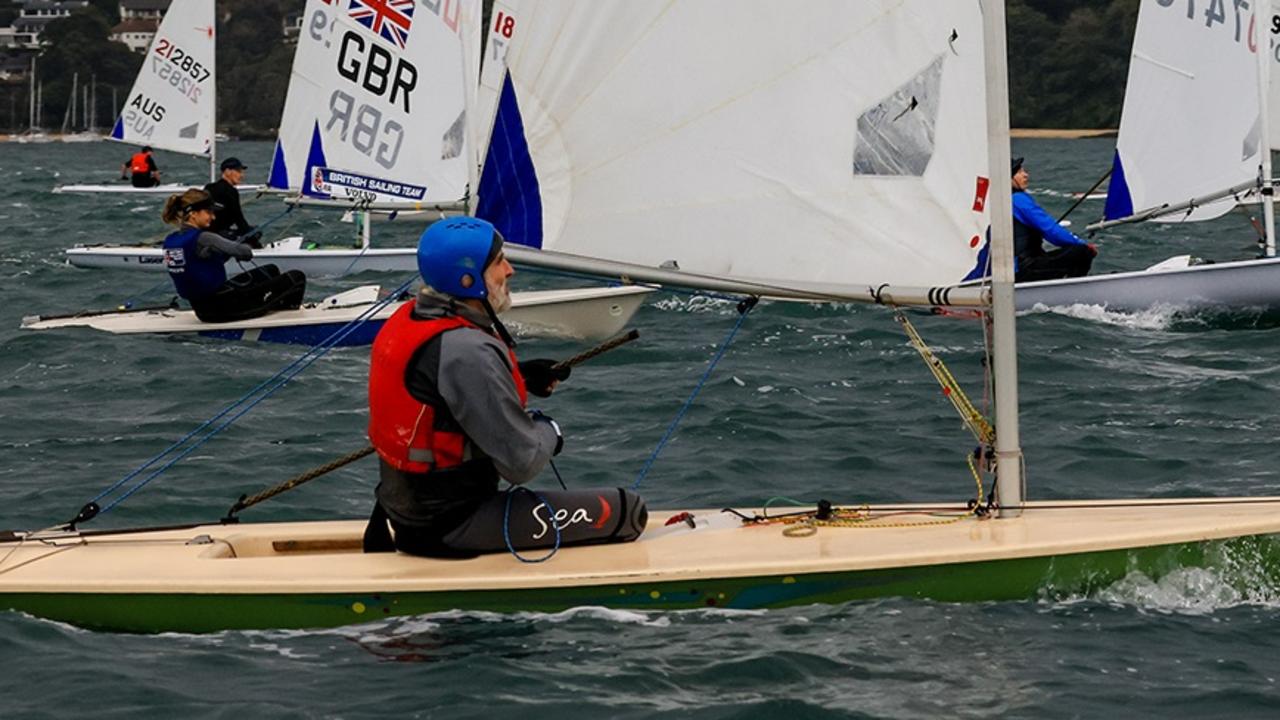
x=1032, y=226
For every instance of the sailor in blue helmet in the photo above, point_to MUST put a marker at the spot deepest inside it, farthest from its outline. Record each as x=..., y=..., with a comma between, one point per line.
x=448, y=418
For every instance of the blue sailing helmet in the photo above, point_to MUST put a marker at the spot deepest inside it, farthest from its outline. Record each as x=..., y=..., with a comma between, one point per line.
x=454, y=249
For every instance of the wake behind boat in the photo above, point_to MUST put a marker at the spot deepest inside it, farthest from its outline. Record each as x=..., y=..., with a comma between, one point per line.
x=576, y=313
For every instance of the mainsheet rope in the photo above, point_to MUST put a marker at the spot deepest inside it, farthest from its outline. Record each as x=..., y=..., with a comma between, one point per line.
x=249, y=400
x=744, y=307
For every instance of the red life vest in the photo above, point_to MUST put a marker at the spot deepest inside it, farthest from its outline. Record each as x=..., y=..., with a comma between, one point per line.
x=138, y=164
x=401, y=428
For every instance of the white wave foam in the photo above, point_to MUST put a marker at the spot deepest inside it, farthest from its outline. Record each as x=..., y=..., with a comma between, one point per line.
x=1188, y=591
x=1234, y=574
x=697, y=304
x=1160, y=317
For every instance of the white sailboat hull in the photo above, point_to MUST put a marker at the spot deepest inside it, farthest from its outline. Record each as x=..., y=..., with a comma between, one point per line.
x=124, y=188
x=1229, y=285
x=286, y=254
x=579, y=313
x=312, y=574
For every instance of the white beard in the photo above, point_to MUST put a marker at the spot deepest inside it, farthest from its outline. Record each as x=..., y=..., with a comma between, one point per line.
x=500, y=299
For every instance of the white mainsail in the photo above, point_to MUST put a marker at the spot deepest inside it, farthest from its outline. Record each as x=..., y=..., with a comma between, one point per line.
x=845, y=144
x=378, y=102
x=1191, y=124
x=173, y=102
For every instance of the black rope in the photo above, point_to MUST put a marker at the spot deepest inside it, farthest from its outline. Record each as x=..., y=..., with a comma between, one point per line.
x=293, y=482
x=1085, y=196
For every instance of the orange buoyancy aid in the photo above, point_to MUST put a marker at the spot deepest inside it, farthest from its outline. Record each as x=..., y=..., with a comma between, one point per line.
x=402, y=429
x=138, y=164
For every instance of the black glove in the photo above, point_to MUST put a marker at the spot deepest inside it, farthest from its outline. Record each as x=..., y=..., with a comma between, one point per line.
x=251, y=238
x=541, y=374
x=539, y=415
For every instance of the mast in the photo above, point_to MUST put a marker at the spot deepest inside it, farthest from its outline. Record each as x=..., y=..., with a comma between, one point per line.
x=31, y=98
x=213, y=121
x=1009, y=463
x=1262, y=51
x=69, y=115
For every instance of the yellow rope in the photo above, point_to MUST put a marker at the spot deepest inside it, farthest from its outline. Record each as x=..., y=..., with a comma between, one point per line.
x=970, y=414
x=806, y=525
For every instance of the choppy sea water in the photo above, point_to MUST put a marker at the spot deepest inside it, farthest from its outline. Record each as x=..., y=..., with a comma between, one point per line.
x=810, y=401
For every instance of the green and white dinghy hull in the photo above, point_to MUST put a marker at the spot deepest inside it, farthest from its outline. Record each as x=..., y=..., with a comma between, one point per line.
x=313, y=575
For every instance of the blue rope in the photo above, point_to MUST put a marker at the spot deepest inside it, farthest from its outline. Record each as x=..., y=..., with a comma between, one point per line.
x=264, y=389
x=743, y=309
x=288, y=209
x=506, y=526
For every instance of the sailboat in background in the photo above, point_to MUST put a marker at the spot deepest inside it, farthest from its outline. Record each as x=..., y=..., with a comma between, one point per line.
x=173, y=103
x=89, y=111
x=1195, y=164
x=33, y=133
x=343, y=144
x=916, y=102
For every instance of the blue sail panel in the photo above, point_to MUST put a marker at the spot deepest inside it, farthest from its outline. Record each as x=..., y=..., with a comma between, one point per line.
x=117, y=132
x=279, y=177
x=509, y=194
x=315, y=159
x=1119, y=201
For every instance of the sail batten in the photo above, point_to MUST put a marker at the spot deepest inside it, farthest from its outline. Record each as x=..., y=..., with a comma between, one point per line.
x=805, y=152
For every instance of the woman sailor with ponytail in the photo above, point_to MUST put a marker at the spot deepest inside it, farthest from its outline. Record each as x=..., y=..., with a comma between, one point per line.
x=196, y=260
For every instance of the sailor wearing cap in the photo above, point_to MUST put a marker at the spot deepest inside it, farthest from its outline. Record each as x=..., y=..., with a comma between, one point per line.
x=230, y=221
x=196, y=259
x=1032, y=226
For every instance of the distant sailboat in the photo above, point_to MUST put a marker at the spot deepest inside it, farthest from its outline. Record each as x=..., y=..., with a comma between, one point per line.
x=88, y=106
x=790, y=80
x=173, y=103
x=1195, y=163
x=34, y=133
x=352, y=145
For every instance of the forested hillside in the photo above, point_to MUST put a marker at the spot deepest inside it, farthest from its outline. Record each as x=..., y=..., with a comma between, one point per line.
x=1068, y=61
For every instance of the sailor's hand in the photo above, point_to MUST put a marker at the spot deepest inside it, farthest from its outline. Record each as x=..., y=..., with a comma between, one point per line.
x=252, y=238
x=1093, y=249
x=541, y=375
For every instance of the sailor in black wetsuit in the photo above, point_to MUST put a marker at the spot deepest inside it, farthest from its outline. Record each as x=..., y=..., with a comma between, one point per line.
x=230, y=221
x=196, y=260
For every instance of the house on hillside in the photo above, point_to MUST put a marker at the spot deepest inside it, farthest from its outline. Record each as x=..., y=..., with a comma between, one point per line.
x=138, y=22
x=36, y=14
x=291, y=26
x=143, y=9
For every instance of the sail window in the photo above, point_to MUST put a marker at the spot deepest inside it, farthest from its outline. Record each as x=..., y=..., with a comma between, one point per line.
x=895, y=137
